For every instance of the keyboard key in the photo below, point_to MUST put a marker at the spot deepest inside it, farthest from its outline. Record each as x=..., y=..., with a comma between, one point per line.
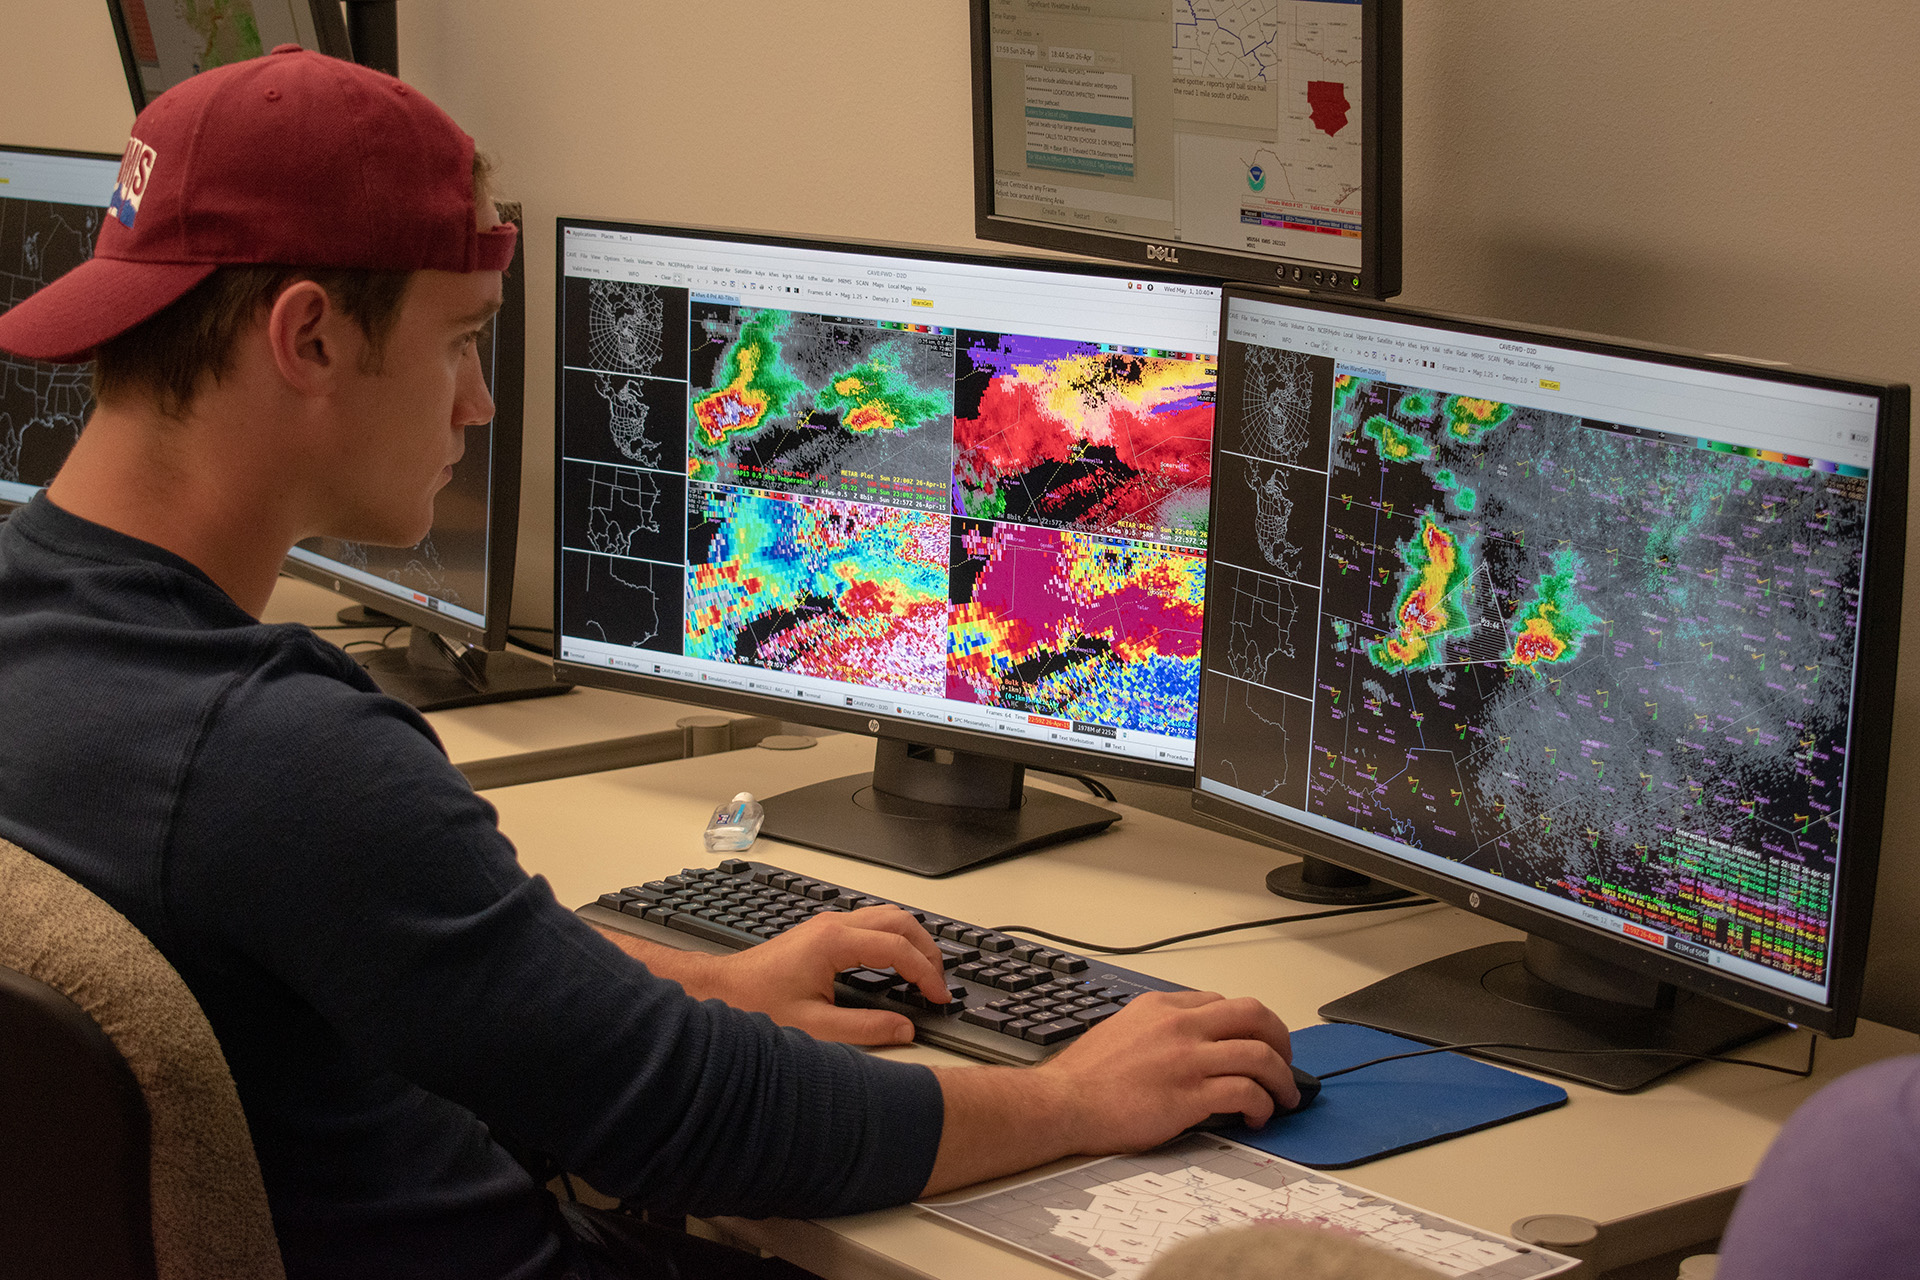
x=822, y=892
x=1094, y=1016
x=612, y=901
x=996, y=943
x=635, y=907
x=659, y=914
x=1018, y=1027
x=734, y=866
x=970, y=971
x=1016, y=982
x=1070, y=964
x=1023, y=951
x=1053, y=1032
x=957, y=954
x=992, y=1019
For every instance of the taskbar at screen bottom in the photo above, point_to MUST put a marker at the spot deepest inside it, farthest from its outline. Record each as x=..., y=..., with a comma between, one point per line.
x=1676, y=947
x=1049, y=729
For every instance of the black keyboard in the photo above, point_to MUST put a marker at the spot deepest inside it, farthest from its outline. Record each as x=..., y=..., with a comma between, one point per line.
x=1014, y=1001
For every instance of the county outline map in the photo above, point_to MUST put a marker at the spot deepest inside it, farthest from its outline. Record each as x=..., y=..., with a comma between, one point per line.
x=1114, y=1217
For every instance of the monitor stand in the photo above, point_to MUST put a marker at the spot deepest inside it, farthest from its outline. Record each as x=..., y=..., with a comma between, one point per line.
x=432, y=675
x=1317, y=880
x=929, y=810
x=1548, y=996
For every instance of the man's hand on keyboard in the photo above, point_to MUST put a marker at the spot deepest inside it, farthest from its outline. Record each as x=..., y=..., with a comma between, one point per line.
x=790, y=977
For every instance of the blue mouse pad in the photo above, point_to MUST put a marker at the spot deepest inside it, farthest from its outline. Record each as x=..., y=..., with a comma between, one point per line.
x=1393, y=1107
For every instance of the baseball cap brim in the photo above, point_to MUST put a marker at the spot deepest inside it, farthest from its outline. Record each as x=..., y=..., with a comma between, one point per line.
x=97, y=300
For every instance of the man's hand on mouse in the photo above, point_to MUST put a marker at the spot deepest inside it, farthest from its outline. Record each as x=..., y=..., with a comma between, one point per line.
x=1168, y=1061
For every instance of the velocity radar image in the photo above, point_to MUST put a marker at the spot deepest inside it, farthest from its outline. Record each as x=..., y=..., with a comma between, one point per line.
x=1076, y=435
x=847, y=591
x=1101, y=632
x=812, y=404
x=42, y=406
x=1607, y=663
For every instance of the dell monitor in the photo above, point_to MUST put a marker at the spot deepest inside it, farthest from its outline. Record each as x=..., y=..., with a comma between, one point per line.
x=51, y=206
x=1247, y=142
x=957, y=503
x=1592, y=639
x=455, y=587
x=163, y=42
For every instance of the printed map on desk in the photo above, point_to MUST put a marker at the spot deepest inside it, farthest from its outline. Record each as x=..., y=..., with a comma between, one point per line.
x=1112, y=1218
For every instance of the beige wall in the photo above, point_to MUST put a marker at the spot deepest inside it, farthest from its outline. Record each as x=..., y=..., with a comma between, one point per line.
x=1732, y=175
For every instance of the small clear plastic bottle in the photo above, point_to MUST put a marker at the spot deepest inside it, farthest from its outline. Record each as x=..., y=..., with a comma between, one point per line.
x=735, y=825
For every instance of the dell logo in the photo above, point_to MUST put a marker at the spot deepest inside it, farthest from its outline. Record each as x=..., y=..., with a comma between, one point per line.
x=1161, y=253
x=873, y=726
x=1473, y=900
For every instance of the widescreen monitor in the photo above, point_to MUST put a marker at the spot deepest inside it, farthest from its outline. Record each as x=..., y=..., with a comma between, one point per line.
x=51, y=206
x=1252, y=142
x=455, y=587
x=163, y=42
x=954, y=502
x=1592, y=639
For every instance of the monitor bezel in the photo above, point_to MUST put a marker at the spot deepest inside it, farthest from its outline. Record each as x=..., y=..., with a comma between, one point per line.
x=503, y=482
x=1871, y=724
x=330, y=29
x=8, y=504
x=1029, y=754
x=1380, y=251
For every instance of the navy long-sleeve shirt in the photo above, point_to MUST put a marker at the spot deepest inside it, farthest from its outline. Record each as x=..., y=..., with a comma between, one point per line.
x=385, y=980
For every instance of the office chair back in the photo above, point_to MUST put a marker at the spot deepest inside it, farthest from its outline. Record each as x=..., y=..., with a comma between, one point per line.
x=123, y=1148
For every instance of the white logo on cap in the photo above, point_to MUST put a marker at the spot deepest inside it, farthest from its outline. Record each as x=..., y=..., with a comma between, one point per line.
x=136, y=169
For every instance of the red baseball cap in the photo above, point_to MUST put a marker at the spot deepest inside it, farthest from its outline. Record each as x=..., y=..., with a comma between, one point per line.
x=296, y=159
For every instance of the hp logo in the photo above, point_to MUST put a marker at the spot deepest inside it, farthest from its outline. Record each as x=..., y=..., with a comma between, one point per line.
x=873, y=726
x=1473, y=900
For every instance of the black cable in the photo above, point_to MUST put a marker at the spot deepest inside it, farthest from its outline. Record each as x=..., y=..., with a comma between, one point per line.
x=1094, y=785
x=381, y=643
x=545, y=651
x=1078, y=945
x=1813, y=1045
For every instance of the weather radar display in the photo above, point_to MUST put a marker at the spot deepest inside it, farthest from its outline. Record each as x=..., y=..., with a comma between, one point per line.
x=861, y=505
x=1607, y=663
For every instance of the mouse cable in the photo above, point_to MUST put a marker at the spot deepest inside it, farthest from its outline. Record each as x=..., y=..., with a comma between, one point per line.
x=1078, y=945
x=1813, y=1044
x=1100, y=790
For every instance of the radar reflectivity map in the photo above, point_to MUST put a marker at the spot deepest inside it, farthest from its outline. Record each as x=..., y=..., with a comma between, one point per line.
x=1009, y=522
x=1606, y=663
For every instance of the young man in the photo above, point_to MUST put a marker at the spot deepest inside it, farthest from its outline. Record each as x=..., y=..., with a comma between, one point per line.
x=388, y=985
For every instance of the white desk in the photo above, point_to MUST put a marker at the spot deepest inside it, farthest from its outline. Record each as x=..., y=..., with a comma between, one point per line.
x=503, y=743
x=1658, y=1170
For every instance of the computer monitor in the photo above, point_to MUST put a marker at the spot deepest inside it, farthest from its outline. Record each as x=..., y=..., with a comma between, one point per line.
x=163, y=42
x=1592, y=639
x=455, y=587
x=1248, y=142
x=955, y=502
x=51, y=205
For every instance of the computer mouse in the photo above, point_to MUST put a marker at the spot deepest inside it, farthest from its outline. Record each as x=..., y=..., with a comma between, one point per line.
x=1221, y=1121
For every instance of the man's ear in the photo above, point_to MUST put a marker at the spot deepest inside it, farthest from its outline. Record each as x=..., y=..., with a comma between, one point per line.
x=303, y=332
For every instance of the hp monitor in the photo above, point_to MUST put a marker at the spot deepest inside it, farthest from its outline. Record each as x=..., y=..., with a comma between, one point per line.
x=455, y=588
x=1248, y=141
x=51, y=205
x=1592, y=639
x=957, y=503
x=162, y=42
